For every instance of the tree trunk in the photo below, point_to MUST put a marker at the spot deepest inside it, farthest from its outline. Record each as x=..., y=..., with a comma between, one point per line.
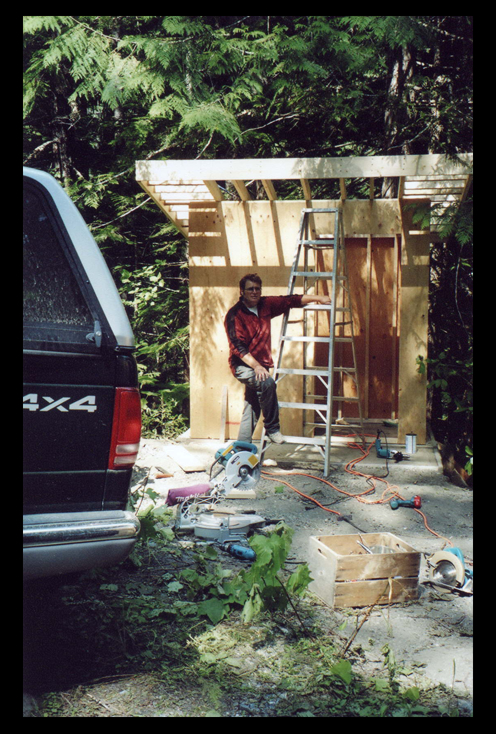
x=395, y=116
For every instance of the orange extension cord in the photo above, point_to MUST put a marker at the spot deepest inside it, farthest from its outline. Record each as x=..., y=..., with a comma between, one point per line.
x=389, y=492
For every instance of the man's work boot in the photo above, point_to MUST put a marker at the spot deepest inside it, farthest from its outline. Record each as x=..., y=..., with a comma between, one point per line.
x=276, y=437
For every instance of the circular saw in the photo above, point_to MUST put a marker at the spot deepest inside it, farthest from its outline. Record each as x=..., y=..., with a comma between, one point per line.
x=447, y=572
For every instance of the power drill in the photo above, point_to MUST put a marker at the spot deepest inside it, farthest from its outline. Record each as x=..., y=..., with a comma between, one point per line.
x=416, y=502
x=386, y=453
x=240, y=551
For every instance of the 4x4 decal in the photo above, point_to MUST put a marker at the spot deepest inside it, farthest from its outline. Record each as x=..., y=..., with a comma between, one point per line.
x=31, y=402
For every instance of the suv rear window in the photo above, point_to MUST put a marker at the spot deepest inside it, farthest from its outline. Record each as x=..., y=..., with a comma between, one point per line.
x=56, y=314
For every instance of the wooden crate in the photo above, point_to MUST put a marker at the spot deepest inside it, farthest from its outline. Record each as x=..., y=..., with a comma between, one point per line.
x=345, y=575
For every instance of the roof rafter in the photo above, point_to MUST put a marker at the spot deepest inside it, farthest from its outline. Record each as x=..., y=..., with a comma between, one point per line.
x=174, y=184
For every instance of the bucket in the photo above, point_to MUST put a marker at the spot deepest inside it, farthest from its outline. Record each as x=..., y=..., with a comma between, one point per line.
x=411, y=443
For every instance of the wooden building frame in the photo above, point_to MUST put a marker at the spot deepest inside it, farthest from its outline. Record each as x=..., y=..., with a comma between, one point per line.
x=229, y=238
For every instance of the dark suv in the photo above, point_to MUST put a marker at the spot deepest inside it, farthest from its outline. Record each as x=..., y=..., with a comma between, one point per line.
x=82, y=411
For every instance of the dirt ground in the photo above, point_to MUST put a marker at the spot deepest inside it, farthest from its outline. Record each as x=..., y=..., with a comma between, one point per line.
x=432, y=636
x=435, y=632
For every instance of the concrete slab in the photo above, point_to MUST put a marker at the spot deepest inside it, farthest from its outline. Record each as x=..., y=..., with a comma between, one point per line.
x=344, y=449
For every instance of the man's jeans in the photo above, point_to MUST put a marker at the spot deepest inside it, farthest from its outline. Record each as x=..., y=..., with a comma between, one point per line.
x=260, y=397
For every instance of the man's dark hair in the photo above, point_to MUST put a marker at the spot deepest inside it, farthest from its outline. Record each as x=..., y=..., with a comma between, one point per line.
x=251, y=276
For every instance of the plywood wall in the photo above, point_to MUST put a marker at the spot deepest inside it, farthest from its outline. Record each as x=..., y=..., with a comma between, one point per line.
x=229, y=239
x=373, y=272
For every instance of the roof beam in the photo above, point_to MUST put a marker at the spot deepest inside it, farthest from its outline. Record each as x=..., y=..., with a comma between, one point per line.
x=240, y=170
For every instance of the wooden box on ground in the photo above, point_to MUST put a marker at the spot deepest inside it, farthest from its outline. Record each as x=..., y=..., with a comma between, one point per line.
x=346, y=575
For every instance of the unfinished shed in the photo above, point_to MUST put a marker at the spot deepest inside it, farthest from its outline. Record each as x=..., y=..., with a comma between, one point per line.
x=232, y=234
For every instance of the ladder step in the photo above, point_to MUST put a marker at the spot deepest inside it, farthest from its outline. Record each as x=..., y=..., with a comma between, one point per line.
x=320, y=243
x=317, y=406
x=309, y=424
x=325, y=307
x=347, y=425
x=304, y=406
x=309, y=371
x=325, y=210
x=320, y=339
x=312, y=371
x=311, y=274
x=318, y=307
x=325, y=369
x=307, y=440
x=328, y=274
x=342, y=398
x=317, y=339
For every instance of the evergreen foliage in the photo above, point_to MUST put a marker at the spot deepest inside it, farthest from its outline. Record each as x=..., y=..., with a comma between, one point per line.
x=103, y=91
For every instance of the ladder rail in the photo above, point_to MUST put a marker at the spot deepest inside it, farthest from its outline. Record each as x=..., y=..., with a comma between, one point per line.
x=285, y=318
x=332, y=336
x=353, y=347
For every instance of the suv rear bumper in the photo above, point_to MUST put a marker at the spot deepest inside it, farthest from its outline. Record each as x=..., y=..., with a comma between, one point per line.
x=60, y=543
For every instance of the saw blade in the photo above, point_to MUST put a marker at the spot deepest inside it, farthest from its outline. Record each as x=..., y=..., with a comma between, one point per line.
x=242, y=471
x=447, y=570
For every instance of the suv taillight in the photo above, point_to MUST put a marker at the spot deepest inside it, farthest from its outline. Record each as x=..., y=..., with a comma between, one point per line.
x=126, y=428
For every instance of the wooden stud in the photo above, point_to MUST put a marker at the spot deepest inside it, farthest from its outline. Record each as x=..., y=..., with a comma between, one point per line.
x=412, y=387
x=368, y=291
x=394, y=328
x=305, y=185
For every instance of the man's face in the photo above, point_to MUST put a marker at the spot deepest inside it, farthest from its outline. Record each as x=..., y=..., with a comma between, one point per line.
x=252, y=293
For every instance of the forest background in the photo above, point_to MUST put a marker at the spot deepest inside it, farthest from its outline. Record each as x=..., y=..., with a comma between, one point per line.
x=101, y=92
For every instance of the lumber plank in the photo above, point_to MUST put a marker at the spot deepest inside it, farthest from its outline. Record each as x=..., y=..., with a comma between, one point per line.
x=307, y=192
x=185, y=459
x=303, y=168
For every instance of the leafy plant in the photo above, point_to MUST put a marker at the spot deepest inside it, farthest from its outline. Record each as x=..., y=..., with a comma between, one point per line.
x=259, y=589
x=449, y=367
x=157, y=297
x=101, y=92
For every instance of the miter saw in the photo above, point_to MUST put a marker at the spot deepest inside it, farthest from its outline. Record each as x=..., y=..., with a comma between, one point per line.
x=240, y=466
x=198, y=509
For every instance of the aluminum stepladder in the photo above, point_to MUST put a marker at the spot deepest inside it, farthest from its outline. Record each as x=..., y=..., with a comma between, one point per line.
x=340, y=306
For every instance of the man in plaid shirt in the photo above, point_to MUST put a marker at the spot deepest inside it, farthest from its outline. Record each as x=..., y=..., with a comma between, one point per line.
x=250, y=354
